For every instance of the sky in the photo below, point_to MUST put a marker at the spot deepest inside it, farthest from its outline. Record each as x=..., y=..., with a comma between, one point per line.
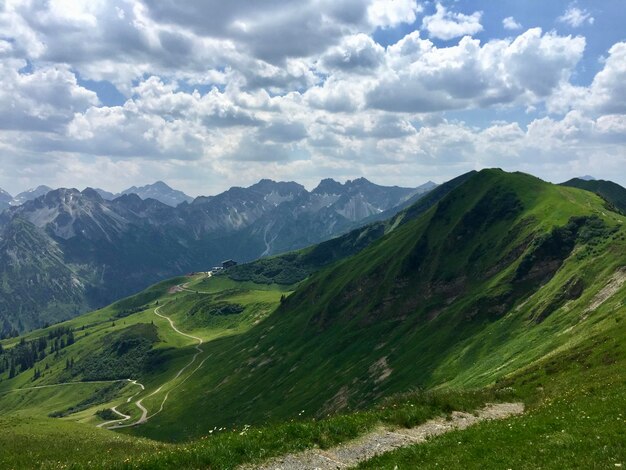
x=208, y=94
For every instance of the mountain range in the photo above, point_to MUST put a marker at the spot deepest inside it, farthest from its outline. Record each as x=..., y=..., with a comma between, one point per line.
x=494, y=287
x=159, y=191
x=5, y=199
x=69, y=250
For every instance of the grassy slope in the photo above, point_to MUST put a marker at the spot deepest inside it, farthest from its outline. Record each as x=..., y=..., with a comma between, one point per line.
x=576, y=416
x=613, y=193
x=132, y=318
x=374, y=325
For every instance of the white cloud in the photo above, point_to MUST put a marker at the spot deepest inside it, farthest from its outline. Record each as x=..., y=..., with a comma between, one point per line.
x=44, y=99
x=336, y=95
x=357, y=54
x=607, y=93
x=510, y=23
x=424, y=78
x=448, y=25
x=386, y=13
x=576, y=17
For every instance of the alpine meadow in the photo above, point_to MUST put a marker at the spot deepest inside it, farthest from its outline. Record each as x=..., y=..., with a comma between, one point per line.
x=381, y=248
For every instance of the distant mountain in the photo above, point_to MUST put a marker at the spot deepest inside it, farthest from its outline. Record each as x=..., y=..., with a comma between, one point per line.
x=40, y=283
x=29, y=195
x=586, y=178
x=161, y=192
x=5, y=199
x=613, y=193
x=158, y=191
x=98, y=250
x=293, y=267
x=106, y=194
x=359, y=198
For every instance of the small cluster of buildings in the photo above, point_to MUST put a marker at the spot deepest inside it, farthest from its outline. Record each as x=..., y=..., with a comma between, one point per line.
x=229, y=263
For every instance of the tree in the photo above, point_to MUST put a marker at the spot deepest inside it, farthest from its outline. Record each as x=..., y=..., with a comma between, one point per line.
x=12, y=371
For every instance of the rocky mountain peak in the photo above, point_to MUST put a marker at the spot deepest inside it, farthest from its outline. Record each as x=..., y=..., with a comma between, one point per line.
x=328, y=186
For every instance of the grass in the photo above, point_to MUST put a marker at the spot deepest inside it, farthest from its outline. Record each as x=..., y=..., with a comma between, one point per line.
x=127, y=340
x=219, y=448
x=576, y=417
x=34, y=442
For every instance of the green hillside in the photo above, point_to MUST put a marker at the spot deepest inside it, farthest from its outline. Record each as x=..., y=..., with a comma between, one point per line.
x=472, y=290
x=293, y=267
x=506, y=282
x=613, y=193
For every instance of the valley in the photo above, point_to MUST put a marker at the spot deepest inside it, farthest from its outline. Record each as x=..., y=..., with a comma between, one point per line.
x=501, y=289
x=64, y=252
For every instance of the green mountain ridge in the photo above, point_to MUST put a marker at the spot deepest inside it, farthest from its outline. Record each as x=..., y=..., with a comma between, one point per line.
x=454, y=297
x=613, y=193
x=497, y=283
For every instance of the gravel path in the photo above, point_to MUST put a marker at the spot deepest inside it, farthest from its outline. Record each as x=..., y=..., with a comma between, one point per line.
x=385, y=440
x=144, y=412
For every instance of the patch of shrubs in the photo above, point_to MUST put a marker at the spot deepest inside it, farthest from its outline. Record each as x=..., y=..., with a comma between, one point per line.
x=285, y=270
x=129, y=311
x=124, y=354
x=559, y=243
x=218, y=308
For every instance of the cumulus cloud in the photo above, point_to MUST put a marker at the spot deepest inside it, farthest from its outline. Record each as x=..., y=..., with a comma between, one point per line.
x=607, y=93
x=283, y=132
x=385, y=13
x=275, y=30
x=576, y=17
x=424, y=78
x=358, y=54
x=44, y=99
x=336, y=95
x=446, y=25
x=510, y=24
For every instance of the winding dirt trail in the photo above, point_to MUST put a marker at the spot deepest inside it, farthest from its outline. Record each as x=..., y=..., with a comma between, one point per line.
x=68, y=383
x=114, y=410
x=117, y=423
x=139, y=403
x=384, y=440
